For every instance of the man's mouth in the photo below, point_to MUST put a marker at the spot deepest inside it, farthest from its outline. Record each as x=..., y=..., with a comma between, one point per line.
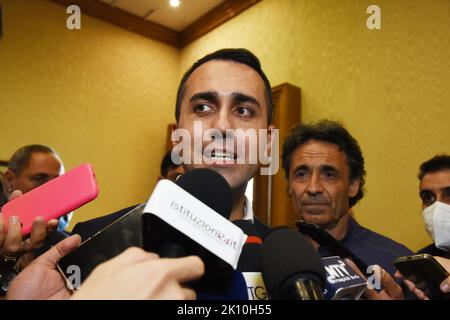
x=315, y=208
x=222, y=156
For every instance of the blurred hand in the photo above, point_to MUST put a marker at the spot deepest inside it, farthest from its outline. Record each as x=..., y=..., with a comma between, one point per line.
x=390, y=289
x=445, y=285
x=11, y=242
x=137, y=274
x=443, y=262
x=41, y=280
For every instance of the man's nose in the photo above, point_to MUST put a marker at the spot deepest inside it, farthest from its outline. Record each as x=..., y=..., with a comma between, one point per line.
x=223, y=121
x=223, y=124
x=314, y=184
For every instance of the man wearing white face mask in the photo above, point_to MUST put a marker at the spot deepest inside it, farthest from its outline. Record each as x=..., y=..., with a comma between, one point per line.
x=435, y=194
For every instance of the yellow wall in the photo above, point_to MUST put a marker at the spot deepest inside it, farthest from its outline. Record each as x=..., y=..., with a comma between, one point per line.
x=104, y=95
x=101, y=95
x=389, y=87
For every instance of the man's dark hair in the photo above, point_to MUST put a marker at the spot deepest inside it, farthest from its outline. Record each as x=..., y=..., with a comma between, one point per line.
x=437, y=163
x=331, y=132
x=167, y=164
x=21, y=157
x=242, y=56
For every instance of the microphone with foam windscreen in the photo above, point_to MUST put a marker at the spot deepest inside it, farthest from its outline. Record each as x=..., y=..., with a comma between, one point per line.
x=250, y=261
x=191, y=218
x=172, y=243
x=250, y=258
x=291, y=268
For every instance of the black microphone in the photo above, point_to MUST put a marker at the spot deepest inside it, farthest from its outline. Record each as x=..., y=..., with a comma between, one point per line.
x=220, y=280
x=203, y=184
x=250, y=261
x=291, y=268
x=250, y=258
x=211, y=189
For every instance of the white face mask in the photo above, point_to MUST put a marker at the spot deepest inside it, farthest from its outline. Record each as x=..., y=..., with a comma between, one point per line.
x=437, y=224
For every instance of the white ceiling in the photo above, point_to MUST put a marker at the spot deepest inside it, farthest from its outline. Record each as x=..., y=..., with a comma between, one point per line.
x=161, y=12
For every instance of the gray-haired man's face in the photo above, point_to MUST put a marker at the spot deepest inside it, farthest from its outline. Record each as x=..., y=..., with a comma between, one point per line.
x=41, y=168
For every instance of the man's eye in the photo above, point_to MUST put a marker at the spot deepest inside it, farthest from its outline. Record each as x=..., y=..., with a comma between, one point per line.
x=329, y=175
x=201, y=108
x=39, y=178
x=446, y=195
x=301, y=174
x=244, y=112
x=427, y=198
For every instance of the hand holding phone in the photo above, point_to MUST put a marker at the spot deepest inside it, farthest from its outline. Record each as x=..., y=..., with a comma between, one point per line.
x=425, y=272
x=55, y=198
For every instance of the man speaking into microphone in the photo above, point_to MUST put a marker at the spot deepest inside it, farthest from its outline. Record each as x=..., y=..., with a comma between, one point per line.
x=224, y=92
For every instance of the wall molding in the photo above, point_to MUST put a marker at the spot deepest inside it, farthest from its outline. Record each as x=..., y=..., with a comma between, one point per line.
x=206, y=23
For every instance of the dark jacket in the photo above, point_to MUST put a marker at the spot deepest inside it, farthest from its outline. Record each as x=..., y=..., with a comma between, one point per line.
x=434, y=251
x=371, y=247
x=88, y=228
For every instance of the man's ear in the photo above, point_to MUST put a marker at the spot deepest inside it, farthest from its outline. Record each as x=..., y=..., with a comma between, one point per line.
x=174, y=126
x=8, y=177
x=353, y=188
x=289, y=189
x=270, y=137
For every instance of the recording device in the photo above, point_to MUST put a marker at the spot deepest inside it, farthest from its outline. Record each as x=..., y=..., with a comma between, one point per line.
x=426, y=273
x=342, y=282
x=123, y=233
x=54, y=198
x=291, y=268
x=326, y=240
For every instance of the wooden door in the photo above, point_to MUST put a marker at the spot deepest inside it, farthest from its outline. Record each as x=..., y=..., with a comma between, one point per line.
x=270, y=200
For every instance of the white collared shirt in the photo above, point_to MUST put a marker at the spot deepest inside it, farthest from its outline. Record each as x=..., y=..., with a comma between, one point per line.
x=248, y=211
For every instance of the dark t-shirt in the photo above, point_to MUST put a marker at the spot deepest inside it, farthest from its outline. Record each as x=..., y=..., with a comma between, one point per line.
x=371, y=247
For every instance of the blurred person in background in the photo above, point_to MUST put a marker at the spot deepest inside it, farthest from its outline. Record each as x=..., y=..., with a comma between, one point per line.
x=32, y=166
x=434, y=190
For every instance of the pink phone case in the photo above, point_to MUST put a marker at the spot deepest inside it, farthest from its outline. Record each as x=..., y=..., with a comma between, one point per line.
x=55, y=198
